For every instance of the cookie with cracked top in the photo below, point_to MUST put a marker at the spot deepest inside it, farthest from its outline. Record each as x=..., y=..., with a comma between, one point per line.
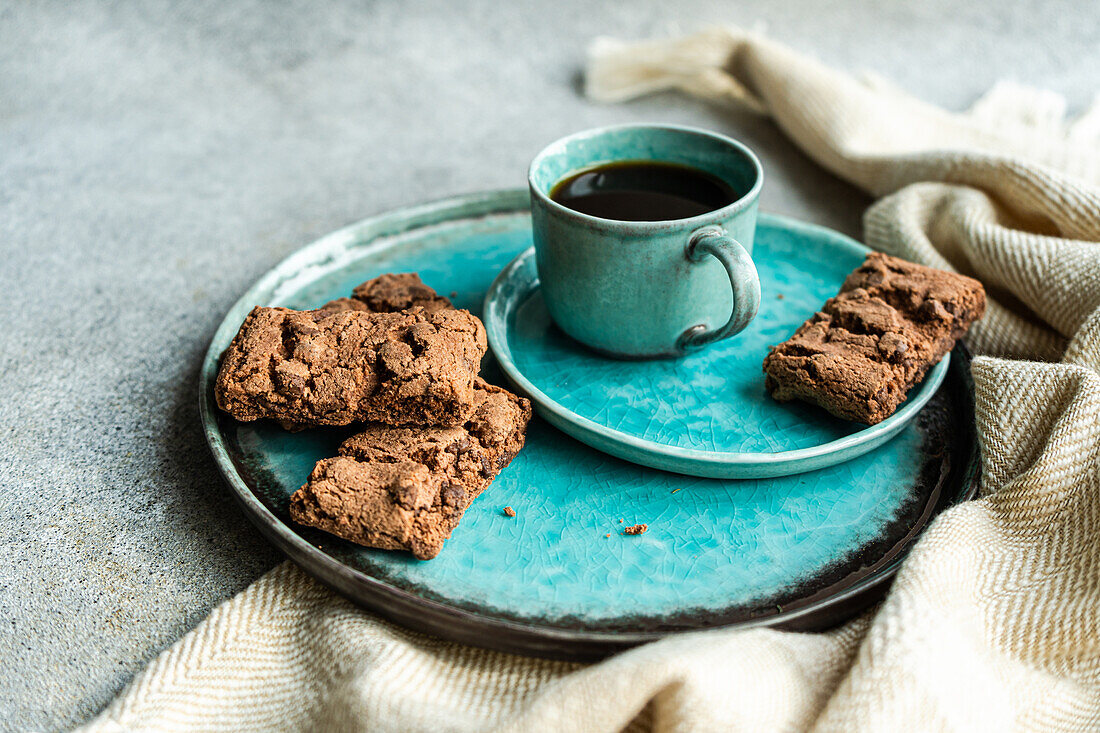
x=310, y=368
x=407, y=488
x=859, y=356
x=390, y=293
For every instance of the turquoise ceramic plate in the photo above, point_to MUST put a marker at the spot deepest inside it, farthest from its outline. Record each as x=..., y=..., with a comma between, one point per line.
x=706, y=414
x=560, y=579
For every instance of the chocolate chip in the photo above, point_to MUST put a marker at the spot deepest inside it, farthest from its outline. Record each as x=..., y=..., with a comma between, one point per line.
x=452, y=495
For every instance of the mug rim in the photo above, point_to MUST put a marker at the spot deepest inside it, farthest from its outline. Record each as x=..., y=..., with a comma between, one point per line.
x=730, y=209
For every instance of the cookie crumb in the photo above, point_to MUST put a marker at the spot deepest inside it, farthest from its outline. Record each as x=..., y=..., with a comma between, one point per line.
x=509, y=511
x=620, y=521
x=454, y=293
x=779, y=296
x=636, y=529
x=607, y=535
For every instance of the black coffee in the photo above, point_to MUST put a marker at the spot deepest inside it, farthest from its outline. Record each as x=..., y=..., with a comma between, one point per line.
x=641, y=190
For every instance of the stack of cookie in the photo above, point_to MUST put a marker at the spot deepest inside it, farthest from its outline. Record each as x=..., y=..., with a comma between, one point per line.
x=403, y=361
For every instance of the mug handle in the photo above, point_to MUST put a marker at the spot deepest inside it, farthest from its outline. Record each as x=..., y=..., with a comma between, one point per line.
x=743, y=280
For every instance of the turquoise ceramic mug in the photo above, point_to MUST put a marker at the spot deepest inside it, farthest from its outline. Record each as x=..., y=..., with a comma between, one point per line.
x=647, y=289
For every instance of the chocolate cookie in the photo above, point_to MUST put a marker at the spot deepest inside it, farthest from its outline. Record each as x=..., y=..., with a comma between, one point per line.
x=861, y=354
x=390, y=293
x=308, y=368
x=407, y=488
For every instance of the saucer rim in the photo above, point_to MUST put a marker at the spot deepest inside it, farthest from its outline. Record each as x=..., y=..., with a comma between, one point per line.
x=692, y=461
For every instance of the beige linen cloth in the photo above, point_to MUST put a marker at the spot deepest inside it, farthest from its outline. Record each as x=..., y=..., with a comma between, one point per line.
x=994, y=621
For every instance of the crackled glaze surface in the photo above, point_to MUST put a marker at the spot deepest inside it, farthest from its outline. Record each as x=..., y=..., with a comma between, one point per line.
x=705, y=414
x=710, y=545
x=717, y=551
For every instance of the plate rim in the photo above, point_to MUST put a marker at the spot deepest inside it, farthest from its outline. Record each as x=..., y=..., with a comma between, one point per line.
x=415, y=612
x=693, y=461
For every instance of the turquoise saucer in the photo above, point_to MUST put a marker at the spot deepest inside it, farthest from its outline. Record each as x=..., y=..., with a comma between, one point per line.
x=706, y=414
x=560, y=579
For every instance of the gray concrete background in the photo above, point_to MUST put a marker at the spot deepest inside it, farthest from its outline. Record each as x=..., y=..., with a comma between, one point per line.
x=157, y=157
